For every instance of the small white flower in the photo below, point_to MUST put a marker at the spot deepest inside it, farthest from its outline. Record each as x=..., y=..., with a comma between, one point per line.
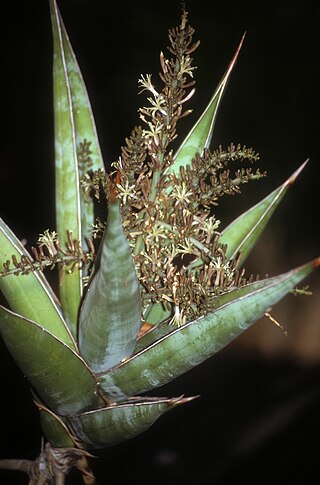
x=146, y=83
x=181, y=194
x=126, y=192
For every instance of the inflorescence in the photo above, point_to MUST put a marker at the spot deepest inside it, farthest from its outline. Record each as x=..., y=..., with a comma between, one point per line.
x=168, y=217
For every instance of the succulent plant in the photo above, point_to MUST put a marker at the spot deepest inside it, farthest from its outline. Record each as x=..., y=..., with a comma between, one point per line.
x=149, y=286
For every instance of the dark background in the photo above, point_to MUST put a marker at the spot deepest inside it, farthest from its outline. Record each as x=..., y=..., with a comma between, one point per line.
x=258, y=416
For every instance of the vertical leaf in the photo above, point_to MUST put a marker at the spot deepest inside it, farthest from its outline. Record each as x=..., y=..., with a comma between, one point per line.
x=200, y=135
x=68, y=208
x=85, y=129
x=74, y=124
x=110, y=316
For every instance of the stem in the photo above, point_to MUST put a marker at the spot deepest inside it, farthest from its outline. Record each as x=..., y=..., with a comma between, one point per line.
x=52, y=466
x=19, y=465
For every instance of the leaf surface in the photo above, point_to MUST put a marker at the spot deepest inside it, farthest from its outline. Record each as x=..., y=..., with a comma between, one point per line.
x=200, y=135
x=55, y=429
x=187, y=346
x=74, y=125
x=114, y=424
x=30, y=295
x=85, y=128
x=58, y=375
x=156, y=313
x=110, y=317
x=242, y=234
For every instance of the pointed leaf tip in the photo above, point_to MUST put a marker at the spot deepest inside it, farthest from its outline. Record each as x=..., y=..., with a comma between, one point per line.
x=297, y=172
x=201, y=133
x=189, y=345
x=316, y=262
x=113, y=424
x=183, y=400
x=77, y=151
x=243, y=232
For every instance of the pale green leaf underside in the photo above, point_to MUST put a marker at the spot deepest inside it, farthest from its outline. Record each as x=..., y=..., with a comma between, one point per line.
x=58, y=375
x=191, y=344
x=30, y=295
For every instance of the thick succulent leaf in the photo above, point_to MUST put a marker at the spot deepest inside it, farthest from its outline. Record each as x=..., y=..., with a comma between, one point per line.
x=84, y=124
x=150, y=337
x=196, y=341
x=30, y=295
x=200, y=135
x=110, y=317
x=218, y=301
x=58, y=375
x=67, y=102
x=55, y=429
x=243, y=233
x=114, y=424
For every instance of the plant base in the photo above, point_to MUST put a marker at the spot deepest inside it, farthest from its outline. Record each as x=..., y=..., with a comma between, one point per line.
x=53, y=465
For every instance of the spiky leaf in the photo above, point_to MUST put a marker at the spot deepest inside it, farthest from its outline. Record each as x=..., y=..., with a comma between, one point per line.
x=30, y=295
x=110, y=316
x=58, y=375
x=73, y=125
x=114, y=424
x=243, y=233
x=86, y=138
x=191, y=344
x=201, y=133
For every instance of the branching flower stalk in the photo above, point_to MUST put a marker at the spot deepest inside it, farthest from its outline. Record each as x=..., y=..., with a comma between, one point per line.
x=151, y=283
x=48, y=254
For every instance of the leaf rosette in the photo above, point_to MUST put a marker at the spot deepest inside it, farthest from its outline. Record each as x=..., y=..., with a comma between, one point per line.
x=149, y=285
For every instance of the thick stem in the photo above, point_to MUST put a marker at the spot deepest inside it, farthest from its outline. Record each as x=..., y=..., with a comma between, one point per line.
x=19, y=465
x=52, y=466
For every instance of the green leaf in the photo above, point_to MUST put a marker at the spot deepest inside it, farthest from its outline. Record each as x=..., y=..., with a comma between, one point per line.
x=110, y=317
x=150, y=337
x=114, y=424
x=196, y=341
x=156, y=313
x=242, y=234
x=200, y=135
x=84, y=125
x=73, y=124
x=58, y=375
x=30, y=295
x=55, y=429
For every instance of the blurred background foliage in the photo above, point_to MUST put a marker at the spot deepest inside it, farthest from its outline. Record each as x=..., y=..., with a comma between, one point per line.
x=258, y=415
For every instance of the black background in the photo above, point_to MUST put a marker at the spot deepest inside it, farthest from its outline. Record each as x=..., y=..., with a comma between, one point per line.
x=258, y=416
